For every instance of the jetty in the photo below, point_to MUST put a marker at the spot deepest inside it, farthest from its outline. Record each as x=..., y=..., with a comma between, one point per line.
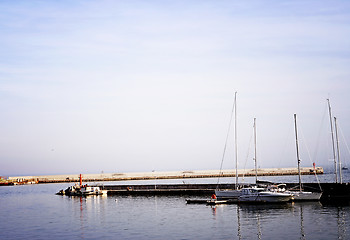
x=165, y=175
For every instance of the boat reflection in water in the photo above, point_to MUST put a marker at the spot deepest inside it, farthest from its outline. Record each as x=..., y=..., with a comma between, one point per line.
x=255, y=220
x=261, y=221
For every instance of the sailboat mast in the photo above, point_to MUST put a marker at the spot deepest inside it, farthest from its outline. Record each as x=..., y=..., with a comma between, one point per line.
x=256, y=165
x=338, y=150
x=332, y=134
x=297, y=146
x=236, y=155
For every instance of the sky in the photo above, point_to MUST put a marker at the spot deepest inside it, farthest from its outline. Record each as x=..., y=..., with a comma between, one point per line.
x=138, y=86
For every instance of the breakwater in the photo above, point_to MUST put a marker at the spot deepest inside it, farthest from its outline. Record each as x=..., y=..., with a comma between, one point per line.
x=165, y=175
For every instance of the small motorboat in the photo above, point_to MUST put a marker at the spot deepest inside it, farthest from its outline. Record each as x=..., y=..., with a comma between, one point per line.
x=82, y=190
x=89, y=190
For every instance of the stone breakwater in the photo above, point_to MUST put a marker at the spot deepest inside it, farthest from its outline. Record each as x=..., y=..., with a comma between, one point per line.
x=165, y=175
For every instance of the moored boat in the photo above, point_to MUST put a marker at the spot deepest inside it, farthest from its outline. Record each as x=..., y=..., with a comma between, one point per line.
x=302, y=195
x=90, y=190
x=261, y=195
x=297, y=195
x=82, y=190
x=227, y=194
x=305, y=196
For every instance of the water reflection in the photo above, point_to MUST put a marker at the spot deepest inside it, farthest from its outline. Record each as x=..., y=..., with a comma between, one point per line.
x=81, y=218
x=302, y=232
x=307, y=220
x=259, y=227
x=40, y=213
x=252, y=219
x=87, y=209
x=341, y=222
x=239, y=221
x=239, y=234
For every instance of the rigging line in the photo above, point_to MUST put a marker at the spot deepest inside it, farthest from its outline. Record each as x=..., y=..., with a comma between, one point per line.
x=320, y=131
x=308, y=153
x=248, y=153
x=225, y=146
x=303, y=140
x=341, y=133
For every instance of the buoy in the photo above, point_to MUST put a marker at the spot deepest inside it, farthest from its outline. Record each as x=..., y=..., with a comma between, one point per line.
x=213, y=196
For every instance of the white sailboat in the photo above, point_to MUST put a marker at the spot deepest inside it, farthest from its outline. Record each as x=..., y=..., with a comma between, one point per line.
x=302, y=195
x=258, y=194
x=261, y=195
x=232, y=194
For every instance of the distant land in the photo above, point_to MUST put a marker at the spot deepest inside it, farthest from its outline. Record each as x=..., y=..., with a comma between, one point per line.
x=163, y=175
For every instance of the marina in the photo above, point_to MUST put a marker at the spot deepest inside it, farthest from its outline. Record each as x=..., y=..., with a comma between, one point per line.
x=332, y=192
x=41, y=213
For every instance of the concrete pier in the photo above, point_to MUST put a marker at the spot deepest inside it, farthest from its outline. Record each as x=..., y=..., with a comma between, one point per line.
x=166, y=175
x=332, y=192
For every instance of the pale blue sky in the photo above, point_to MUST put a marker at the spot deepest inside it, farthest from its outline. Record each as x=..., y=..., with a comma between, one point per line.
x=119, y=86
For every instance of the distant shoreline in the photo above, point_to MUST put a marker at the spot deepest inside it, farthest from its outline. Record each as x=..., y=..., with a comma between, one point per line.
x=161, y=175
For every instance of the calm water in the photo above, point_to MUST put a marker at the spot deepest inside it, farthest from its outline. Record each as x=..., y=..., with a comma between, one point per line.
x=35, y=212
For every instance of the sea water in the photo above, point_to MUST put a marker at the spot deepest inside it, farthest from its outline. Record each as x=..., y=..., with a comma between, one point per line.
x=35, y=212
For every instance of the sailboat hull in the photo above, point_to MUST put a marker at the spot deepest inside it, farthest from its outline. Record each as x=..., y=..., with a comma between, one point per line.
x=227, y=194
x=265, y=199
x=260, y=195
x=306, y=196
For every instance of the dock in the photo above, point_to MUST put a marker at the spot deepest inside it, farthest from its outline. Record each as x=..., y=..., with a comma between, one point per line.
x=332, y=192
x=155, y=175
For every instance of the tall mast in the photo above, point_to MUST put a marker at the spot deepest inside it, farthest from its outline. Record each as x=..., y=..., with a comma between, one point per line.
x=256, y=166
x=236, y=155
x=332, y=134
x=297, y=146
x=338, y=150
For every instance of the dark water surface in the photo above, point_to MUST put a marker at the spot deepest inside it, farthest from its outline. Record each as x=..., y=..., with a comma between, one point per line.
x=35, y=212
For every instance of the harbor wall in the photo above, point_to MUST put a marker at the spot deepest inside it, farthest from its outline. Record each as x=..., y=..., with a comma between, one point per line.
x=166, y=175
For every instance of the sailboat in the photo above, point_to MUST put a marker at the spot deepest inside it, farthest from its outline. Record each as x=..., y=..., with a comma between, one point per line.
x=302, y=195
x=261, y=195
x=231, y=194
